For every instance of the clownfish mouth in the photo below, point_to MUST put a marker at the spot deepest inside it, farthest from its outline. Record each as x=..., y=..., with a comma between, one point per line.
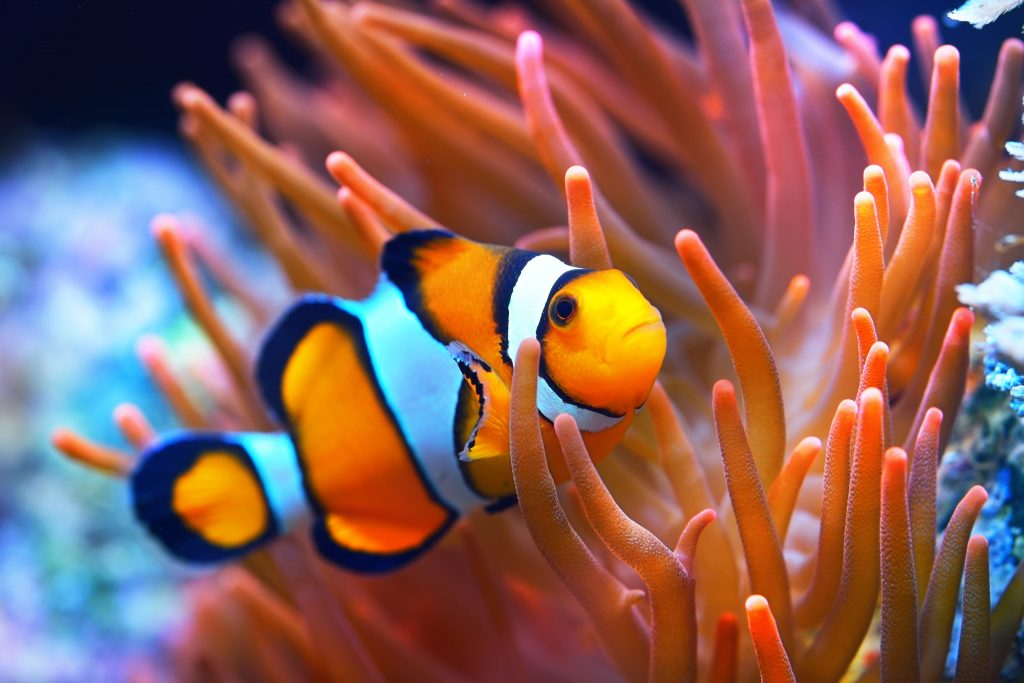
x=650, y=323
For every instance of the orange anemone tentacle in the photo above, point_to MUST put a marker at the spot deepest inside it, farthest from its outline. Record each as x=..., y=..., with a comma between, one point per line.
x=346, y=656
x=788, y=230
x=914, y=339
x=879, y=154
x=850, y=615
x=134, y=426
x=554, y=238
x=260, y=206
x=973, y=654
x=813, y=605
x=761, y=547
x=666, y=576
x=151, y=351
x=751, y=356
x=772, y=660
x=888, y=194
x=867, y=336
x=720, y=38
x=862, y=47
x=864, y=290
x=635, y=49
x=924, y=31
x=894, y=108
x=368, y=225
x=271, y=612
x=899, y=644
x=999, y=115
x=584, y=91
x=948, y=377
x=903, y=172
x=396, y=213
x=686, y=477
x=223, y=272
x=902, y=277
x=604, y=598
x=997, y=122
x=723, y=658
x=168, y=235
x=939, y=605
x=91, y=454
x=587, y=246
x=923, y=465
x=941, y=136
x=873, y=375
x=955, y=266
x=370, y=60
x=310, y=195
x=1006, y=618
x=784, y=490
x=791, y=303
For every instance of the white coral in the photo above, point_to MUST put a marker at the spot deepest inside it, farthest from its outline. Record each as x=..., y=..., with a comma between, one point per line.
x=1001, y=295
x=981, y=12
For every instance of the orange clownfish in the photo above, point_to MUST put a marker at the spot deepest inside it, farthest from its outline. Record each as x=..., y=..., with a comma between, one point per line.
x=395, y=408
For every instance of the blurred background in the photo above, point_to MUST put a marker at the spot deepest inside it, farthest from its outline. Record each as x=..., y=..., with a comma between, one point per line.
x=88, y=154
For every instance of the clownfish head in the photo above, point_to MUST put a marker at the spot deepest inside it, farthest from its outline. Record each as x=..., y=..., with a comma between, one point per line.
x=602, y=342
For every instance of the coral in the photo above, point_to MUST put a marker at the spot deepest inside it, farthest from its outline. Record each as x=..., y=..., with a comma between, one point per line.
x=982, y=12
x=1001, y=297
x=69, y=313
x=754, y=139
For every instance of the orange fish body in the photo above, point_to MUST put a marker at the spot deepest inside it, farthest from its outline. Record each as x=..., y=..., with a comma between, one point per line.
x=396, y=408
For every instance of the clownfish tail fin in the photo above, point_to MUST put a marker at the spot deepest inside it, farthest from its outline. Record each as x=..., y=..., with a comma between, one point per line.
x=210, y=497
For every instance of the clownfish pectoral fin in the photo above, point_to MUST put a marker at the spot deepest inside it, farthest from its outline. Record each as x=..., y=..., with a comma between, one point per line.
x=209, y=497
x=483, y=408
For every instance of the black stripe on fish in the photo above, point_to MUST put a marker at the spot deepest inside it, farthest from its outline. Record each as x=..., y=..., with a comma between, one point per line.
x=398, y=263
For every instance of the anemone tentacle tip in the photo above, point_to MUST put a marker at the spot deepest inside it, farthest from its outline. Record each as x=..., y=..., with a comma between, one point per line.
x=529, y=42
x=338, y=160
x=947, y=56
x=756, y=603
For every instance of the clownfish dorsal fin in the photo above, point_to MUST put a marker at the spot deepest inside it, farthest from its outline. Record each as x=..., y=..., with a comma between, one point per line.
x=489, y=435
x=449, y=283
x=409, y=256
x=405, y=247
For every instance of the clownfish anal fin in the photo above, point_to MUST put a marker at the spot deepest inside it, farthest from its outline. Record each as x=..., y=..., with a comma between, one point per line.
x=210, y=497
x=365, y=545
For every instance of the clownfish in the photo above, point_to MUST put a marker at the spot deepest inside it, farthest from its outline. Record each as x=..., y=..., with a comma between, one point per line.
x=395, y=408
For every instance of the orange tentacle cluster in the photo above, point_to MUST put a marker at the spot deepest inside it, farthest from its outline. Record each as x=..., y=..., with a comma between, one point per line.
x=463, y=118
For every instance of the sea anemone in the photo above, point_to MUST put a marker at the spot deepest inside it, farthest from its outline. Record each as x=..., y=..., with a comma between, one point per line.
x=765, y=532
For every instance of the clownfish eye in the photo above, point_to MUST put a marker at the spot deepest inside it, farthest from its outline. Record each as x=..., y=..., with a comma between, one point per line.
x=562, y=310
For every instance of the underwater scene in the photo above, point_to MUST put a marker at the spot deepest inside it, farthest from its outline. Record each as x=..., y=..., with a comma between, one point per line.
x=532, y=340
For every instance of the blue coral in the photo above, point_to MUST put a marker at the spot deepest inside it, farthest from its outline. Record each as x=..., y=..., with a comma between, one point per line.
x=80, y=280
x=1003, y=377
x=1001, y=299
